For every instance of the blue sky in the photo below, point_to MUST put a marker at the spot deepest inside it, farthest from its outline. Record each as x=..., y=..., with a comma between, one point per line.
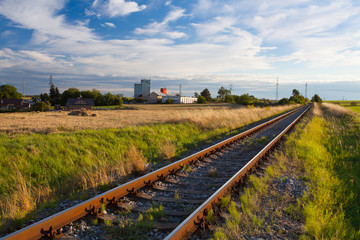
x=111, y=44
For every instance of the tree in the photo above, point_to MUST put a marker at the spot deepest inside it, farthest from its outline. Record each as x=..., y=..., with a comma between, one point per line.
x=223, y=92
x=98, y=97
x=40, y=106
x=87, y=94
x=295, y=92
x=297, y=99
x=52, y=91
x=229, y=98
x=206, y=94
x=245, y=99
x=54, y=95
x=45, y=97
x=109, y=99
x=201, y=100
x=316, y=98
x=118, y=100
x=70, y=93
x=196, y=94
x=283, y=101
x=10, y=92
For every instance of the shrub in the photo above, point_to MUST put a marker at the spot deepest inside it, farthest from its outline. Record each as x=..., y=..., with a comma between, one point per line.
x=40, y=106
x=201, y=100
x=169, y=101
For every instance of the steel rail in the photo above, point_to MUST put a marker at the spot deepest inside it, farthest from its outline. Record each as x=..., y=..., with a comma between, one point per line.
x=191, y=223
x=50, y=226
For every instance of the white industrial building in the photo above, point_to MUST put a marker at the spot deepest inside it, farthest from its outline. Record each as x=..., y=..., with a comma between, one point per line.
x=179, y=99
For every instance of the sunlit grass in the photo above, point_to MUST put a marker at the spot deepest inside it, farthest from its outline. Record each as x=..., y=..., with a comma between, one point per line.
x=41, y=167
x=326, y=155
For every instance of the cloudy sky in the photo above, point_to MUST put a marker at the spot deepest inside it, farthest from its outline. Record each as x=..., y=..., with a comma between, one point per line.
x=111, y=44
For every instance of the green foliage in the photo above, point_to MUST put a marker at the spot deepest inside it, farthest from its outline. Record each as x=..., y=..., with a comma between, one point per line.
x=61, y=161
x=245, y=99
x=223, y=92
x=45, y=97
x=283, y=101
x=229, y=99
x=201, y=100
x=295, y=92
x=220, y=234
x=316, y=99
x=40, y=106
x=225, y=201
x=328, y=150
x=70, y=93
x=210, y=218
x=206, y=94
x=10, y=92
x=297, y=99
x=169, y=101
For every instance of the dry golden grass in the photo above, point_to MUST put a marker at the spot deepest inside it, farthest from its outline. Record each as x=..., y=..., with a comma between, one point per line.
x=336, y=109
x=209, y=116
x=168, y=150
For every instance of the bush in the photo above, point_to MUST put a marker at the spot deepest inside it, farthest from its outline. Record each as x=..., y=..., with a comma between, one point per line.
x=40, y=106
x=169, y=101
x=201, y=100
x=229, y=99
x=353, y=103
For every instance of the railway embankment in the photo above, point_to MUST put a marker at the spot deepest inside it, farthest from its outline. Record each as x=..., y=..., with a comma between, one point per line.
x=310, y=189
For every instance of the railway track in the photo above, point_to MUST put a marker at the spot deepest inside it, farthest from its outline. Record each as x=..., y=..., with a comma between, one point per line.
x=176, y=198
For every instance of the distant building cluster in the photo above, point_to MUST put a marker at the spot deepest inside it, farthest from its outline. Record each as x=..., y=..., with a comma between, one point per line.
x=11, y=104
x=142, y=90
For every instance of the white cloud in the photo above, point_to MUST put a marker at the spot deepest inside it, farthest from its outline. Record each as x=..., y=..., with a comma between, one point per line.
x=109, y=24
x=162, y=28
x=115, y=8
x=40, y=15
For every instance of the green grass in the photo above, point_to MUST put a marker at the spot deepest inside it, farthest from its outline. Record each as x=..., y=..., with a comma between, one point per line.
x=325, y=154
x=60, y=164
x=329, y=151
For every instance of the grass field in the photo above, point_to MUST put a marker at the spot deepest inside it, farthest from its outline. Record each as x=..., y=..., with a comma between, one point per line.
x=60, y=121
x=43, y=157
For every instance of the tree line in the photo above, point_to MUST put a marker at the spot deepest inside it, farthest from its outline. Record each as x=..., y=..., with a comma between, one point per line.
x=106, y=99
x=224, y=95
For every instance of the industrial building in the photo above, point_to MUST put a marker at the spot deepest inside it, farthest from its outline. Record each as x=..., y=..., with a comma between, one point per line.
x=142, y=89
x=179, y=99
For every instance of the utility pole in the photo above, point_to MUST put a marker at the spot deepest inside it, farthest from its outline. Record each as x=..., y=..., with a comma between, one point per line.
x=51, y=80
x=277, y=88
x=305, y=90
x=180, y=90
x=230, y=89
x=24, y=88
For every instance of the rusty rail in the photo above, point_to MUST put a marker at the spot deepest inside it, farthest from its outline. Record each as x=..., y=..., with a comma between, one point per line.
x=191, y=223
x=50, y=226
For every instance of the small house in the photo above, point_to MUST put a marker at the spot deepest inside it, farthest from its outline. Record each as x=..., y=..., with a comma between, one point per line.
x=12, y=104
x=79, y=103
